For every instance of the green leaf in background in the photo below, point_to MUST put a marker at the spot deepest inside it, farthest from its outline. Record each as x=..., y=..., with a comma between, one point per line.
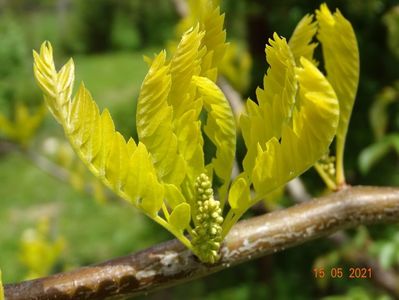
x=391, y=21
x=378, y=113
x=372, y=154
x=357, y=293
x=387, y=255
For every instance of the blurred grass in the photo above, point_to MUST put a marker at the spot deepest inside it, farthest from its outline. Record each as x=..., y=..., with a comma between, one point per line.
x=93, y=232
x=113, y=78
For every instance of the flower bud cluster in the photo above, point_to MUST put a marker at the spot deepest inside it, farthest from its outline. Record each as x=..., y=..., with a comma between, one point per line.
x=207, y=234
x=328, y=164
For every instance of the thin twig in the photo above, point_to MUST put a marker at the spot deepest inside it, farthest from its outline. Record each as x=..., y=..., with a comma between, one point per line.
x=49, y=167
x=170, y=263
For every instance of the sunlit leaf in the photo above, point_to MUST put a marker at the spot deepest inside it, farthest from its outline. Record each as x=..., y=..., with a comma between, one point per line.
x=180, y=216
x=173, y=195
x=275, y=102
x=341, y=59
x=220, y=128
x=239, y=194
x=141, y=187
x=124, y=167
x=187, y=106
x=280, y=132
x=301, y=40
x=154, y=122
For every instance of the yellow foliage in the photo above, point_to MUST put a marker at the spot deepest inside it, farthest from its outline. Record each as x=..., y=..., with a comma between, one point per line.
x=286, y=131
x=39, y=252
x=24, y=124
x=341, y=58
x=169, y=152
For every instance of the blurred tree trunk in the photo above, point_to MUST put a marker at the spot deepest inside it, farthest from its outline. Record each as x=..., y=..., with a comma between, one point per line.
x=62, y=10
x=96, y=18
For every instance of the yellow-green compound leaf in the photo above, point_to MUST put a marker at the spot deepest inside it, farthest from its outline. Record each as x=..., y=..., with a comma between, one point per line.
x=116, y=169
x=154, y=122
x=105, y=137
x=180, y=216
x=207, y=14
x=199, y=53
x=57, y=87
x=220, y=128
x=124, y=167
x=266, y=120
x=301, y=40
x=184, y=64
x=239, y=194
x=214, y=41
x=142, y=186
x=341, y=57
x=314, y=125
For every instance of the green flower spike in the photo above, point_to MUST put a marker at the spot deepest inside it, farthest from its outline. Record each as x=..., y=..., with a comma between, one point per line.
x=207, y=234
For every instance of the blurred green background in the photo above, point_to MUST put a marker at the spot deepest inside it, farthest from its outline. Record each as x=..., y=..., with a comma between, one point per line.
x=107, y=39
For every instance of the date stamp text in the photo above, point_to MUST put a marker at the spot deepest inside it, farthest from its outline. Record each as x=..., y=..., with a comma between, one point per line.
x=345, y=273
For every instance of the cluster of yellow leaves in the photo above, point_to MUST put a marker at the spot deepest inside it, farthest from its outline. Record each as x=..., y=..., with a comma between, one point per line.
x=300, y=110
x=24, y=124
x=286, y=131
x=158, y=172
x=39, y=252
x=236, y=63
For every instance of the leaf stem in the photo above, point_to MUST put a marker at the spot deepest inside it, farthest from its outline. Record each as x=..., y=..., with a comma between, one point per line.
x=340, y=148
x=165, y=211
x=178, y=234
x=324, y=176
x=229, y=221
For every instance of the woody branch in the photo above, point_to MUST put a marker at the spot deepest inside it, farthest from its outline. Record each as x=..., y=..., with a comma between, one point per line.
x=170, y=263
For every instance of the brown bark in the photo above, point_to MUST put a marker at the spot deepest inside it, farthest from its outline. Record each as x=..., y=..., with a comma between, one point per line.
x=170, y=263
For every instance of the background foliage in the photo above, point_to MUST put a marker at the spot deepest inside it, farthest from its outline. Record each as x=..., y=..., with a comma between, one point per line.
x=107, y=41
